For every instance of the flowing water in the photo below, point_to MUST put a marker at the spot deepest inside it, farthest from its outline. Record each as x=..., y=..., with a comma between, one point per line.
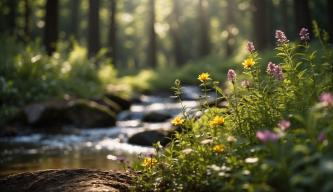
x=90, y=148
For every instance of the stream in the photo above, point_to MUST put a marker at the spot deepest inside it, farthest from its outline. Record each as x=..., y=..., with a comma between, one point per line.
x=91, y=148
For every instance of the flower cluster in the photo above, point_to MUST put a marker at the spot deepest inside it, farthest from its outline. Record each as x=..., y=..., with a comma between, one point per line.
x=284, y=125
x=275, y=70
x=218, y=148
x=177, y=121
x=250, y=47
x=280, y=37
x=203, y=77
x=149, y=162
x=326, y=99
x=267, y=136
x=304, y=34
x=248, y=63
x=231, y=75
x=217, y=121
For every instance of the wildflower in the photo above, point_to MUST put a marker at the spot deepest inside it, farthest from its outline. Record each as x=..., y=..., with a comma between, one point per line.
x=275, y=70
x=251, y=160
x=217, y=121
x=231, y=139
x=304, y=34
x=326, y=99
x=231, y=75
x=187, y=151
x=250, y=47
x=266, y=136
x=245, y=83
x=321, y=137
x=218, y=148
x=280, y=37
x=149, y=162
x=284, y=125
x=206, y=141
x=203, y=77
x=248, y=63
x=177, y=121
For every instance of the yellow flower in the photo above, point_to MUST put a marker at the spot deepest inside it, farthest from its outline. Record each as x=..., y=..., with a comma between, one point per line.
x=248, y=63
x=177, y=121
x=218, y=148
x=204, y=77
x=149, y=162
x=218, y=120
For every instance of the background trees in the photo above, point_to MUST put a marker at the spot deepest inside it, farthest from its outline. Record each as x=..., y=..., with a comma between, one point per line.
x=144, y=33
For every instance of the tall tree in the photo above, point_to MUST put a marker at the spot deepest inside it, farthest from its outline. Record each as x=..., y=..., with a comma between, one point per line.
x=74, y=17
x=284, y=16
x=51, y=26
x=230, y=41
x=27, y=19
x=260, y=24
x=93, y=28
x=113, y=31
x=302, y=14
x=152, y=48
x=11, y=16
x=204, y=41
x=176, y=33
x=330, y=18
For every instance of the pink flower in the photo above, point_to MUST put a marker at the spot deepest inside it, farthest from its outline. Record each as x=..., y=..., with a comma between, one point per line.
x=231, y=75
x=326, y=99
x=304, y=34
x=321, y=137
x=267, y=136
x=284, y=125
x=250, y=47
x=280, y=37
x=275, y=70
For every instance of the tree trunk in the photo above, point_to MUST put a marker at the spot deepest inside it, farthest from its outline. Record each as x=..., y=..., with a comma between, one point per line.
x=204, y=41
x=330, y=19
x=74, y=18
x=51, y=26
x=230, y=41
x=285, y=17
x=152, y=57
x=260, y=24
x=93, y=28
x=176, y=34
x=302, y=14
x=11, y=17
x=27, y=20
x=113, y=31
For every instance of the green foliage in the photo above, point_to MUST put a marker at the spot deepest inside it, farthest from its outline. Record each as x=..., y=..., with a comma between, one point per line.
x=225, y=150
x=27, y=74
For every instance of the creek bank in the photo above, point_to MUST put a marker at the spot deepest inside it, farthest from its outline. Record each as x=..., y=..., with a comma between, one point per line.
x=68, y=180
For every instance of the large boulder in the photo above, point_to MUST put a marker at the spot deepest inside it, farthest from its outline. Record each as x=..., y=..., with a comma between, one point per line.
x=78, y=113
x=156, y=117
x=148, y=138
x=124, y=104
x=68, y=180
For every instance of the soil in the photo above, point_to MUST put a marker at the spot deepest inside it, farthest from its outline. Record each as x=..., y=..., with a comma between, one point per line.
x=68, y=180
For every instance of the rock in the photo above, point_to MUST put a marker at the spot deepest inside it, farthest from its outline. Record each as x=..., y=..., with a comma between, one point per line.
x=68, y=180
x=78, y=113
x=148, y=138
x=113, y=106
x=123, y=103
x=155, y=117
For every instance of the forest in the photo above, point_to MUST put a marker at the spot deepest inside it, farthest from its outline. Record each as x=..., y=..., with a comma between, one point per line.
x=166, y=95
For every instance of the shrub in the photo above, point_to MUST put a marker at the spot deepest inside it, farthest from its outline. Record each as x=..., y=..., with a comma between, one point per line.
x=274, y=134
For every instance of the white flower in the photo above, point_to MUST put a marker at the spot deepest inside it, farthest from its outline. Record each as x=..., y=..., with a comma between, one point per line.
x=206, y=141
x=187, y=151
x=251, y=160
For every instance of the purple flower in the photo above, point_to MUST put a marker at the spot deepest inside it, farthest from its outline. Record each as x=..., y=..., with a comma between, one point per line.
x=275, y=70
x=250, y=47
x=321, y=137
x=280, y=37
x=267, y=136
x=284, y=125
x=231, y=75
x=326, y=99
x=304, y=34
